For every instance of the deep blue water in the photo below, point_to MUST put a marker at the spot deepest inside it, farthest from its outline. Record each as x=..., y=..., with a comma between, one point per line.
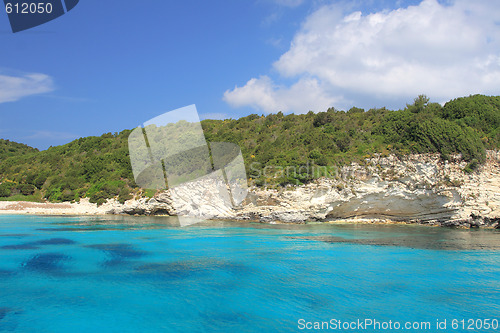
x=138, y=274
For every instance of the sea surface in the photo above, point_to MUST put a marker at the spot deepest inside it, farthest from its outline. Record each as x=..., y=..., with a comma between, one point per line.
x=143, y=274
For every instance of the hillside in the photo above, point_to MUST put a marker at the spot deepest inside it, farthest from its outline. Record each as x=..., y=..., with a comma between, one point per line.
x=9, y=148
x=99, y=167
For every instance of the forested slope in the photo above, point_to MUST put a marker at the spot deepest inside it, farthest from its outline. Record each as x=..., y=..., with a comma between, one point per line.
x=99, y=167
x=9, y=148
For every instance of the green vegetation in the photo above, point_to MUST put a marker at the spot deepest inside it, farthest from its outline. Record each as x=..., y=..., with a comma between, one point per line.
x=9, y=148
x=94, y=167
x=307, y=146
x=19, y=197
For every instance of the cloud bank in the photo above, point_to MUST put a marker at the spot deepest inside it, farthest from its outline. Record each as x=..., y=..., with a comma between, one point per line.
x=263, y=94
x=444, y=51
x=13, y=88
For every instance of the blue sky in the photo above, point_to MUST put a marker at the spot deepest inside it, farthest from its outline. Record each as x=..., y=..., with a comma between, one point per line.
x=107, y=66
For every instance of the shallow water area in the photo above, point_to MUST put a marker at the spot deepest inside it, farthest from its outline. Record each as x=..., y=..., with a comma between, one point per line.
x=149, y=274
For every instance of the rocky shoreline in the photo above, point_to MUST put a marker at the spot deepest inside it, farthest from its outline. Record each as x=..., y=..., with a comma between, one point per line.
x=421, y=189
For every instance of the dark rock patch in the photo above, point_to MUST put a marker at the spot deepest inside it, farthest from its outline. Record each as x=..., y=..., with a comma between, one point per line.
x=49, y=263
x=37, y=244
x=54, y=241
x=134, y=211
x=15, y=235
x=25, y=246
x=118, y=253
x=5, y=273
x=119, y=250
x=3, y=312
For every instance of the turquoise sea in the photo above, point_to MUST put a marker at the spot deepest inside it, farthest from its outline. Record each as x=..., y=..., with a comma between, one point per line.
x=140, y=274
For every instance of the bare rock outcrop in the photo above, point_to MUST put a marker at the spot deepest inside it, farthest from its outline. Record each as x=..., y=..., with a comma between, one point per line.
x=415, y=188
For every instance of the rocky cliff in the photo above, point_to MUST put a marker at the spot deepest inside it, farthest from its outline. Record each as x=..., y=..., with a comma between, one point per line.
x=414, y=188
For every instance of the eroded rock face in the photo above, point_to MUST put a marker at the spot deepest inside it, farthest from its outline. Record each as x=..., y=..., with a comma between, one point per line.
x=161, y=205
x=382, y=199
x=415, y=188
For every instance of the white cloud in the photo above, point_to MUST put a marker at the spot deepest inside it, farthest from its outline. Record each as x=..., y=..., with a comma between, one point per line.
x=13, y=88
x=444, y=51
x=262, y=94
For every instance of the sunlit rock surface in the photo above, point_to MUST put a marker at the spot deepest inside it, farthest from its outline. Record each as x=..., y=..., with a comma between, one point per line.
x=414, y=188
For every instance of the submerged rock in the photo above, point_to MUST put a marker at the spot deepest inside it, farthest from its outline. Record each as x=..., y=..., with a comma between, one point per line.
x=3, y=312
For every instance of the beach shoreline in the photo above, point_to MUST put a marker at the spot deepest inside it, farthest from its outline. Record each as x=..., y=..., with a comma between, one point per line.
x=415, y=189
x=85, y=208
x=82, y=208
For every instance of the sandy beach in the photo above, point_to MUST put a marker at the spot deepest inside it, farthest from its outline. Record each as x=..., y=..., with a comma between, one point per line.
x=84, y=207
